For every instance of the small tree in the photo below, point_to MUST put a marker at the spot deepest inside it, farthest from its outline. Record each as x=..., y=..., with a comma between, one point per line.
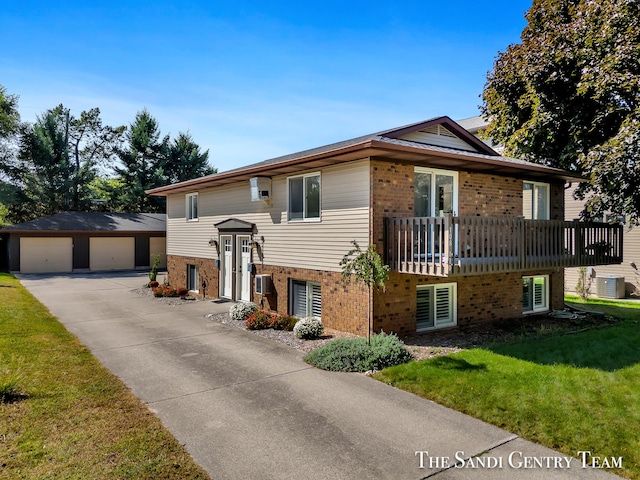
x=153, y=274
x=583, y=287
x=366, y=267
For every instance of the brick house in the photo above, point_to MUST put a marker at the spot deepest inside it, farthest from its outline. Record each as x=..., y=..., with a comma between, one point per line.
x=470, y=236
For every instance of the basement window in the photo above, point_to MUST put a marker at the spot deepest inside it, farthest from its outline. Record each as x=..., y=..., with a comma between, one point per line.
x=435, y=307
x=306, y=299
x=535, y=294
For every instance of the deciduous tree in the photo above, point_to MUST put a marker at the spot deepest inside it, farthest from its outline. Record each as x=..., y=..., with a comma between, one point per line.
x=56, y=162
x=568, y=95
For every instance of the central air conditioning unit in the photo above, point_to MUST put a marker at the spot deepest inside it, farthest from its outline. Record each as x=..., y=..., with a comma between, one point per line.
x=610, y=286
x=260, y=189
x=263, y=284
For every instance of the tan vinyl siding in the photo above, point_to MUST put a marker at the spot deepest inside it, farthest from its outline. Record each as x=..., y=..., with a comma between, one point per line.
x=631, y=253
x=312, y=244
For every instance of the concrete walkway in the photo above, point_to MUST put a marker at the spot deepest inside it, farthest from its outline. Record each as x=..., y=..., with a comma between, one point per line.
x=247, y=407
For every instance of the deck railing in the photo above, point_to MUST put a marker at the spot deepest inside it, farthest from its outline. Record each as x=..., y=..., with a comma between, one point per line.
x=447, y=246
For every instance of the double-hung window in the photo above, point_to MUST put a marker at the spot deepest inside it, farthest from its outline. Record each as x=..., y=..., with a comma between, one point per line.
x=535, y=200
x=535, y=294
x=435, y=306
x=306, y=299
x=192, y=207
x=304, y=197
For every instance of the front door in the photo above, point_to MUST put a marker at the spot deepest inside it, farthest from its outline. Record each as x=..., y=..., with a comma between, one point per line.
x=227, y=266
x=234, y=266
x=243, y=276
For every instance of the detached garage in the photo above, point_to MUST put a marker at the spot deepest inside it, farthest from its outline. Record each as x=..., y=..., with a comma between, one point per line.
x=86, y=241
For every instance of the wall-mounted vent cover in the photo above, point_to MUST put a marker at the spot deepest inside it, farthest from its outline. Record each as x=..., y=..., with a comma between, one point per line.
x=260, y=189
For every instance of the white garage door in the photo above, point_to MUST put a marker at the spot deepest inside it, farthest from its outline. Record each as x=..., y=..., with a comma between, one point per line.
x=46, y=254
x=158, y=246
x=112, y=253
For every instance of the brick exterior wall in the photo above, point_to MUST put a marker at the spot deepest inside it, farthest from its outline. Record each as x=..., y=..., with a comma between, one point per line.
x=480, y=298
x=489, y=195
x=344, y=307
x=177, y=273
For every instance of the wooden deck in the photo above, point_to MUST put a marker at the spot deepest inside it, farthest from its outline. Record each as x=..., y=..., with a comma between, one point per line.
x=449, y=246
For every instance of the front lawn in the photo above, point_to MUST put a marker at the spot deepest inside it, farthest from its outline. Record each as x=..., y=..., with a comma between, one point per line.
x=571, y=392
x=63, y=415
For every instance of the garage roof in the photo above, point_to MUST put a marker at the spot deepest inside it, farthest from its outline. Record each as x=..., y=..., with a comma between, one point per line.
x=94, y=222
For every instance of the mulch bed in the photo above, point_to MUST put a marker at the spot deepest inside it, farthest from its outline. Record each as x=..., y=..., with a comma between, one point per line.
x=432, y=344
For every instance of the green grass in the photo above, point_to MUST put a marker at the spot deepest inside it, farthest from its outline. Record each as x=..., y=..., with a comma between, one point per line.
x=63, y=414
x=570, y=392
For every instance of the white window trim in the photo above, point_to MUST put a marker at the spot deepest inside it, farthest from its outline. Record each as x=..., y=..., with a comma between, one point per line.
x=453, y=289
x=304, y=186
x=188, y=210
x=309, y=296
x=437, y=171
x=535, y=198
x=545, y=307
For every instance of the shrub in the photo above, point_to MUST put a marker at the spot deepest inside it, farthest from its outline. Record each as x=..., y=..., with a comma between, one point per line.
x=308, y=327
x=164, y=291
x=239, y=311
x=259, y=320
x=283, y=322
x=356, y=355
x=182, y=292
x=388, y=350
x=153, y=284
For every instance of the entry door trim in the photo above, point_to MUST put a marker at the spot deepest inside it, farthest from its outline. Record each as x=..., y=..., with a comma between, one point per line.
x=235, y=255
x=226, y=266
x=243, y=276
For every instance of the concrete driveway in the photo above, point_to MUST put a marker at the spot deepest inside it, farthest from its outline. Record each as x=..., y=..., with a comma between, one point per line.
x=247, y=407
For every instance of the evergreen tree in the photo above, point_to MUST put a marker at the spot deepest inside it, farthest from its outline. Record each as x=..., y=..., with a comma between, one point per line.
x=185, y=160
x=143, y=161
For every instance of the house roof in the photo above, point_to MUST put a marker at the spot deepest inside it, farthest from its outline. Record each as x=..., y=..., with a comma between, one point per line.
x=473, y=124
x=390, y=145
x=94, y=222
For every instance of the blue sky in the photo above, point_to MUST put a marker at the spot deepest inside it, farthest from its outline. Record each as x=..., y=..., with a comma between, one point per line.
x=254, y=80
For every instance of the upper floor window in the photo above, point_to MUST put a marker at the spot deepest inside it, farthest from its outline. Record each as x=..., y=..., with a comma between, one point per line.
x=435, y=192
x=535, y=200
x=304, y=197
x=192, y=207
